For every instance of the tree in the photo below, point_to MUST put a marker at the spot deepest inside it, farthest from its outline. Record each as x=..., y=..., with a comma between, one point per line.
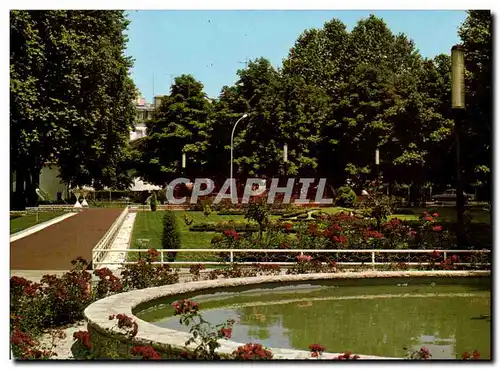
x=71, y=97
x=476, y=144
x=180, y=124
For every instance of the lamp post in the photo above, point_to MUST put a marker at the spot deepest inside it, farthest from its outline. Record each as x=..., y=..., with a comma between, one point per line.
x=232, y=136
x=458, y=106
x=285, y=158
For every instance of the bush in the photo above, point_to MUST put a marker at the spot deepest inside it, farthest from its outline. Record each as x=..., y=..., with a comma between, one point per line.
x=404, y=211
x=52, y=302
x=170, y=237
x=258, y=211
x=346, y=197
x=15, y=216
x=153, y=202
x=162, y=196
x=222, y=226
x=144, y=274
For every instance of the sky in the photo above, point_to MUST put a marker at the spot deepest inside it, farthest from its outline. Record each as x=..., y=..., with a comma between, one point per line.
x=213, y=44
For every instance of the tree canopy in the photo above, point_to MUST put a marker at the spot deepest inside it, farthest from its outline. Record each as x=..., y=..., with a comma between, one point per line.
x=72, y=99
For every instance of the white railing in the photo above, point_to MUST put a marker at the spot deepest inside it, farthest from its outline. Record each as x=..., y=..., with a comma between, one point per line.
x=102, y=247
x=232, y=252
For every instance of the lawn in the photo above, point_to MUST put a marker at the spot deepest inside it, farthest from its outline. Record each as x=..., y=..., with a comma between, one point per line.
x=447, y=214
x=30, y=220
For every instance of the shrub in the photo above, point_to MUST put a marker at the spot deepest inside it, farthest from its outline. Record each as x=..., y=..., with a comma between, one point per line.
x=404, y=211
x=144, y=274
x=170, y=236
x=252, y=351
x=54, y=301
x=222, y=226
x=204, y=334
x=346, y=197
x=162, y=196
x=153, y=202
x=108, y=283
x=258, y=211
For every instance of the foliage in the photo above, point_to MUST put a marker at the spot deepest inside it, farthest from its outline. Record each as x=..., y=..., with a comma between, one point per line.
x=258, y=211
x=25, y=347
x=204, y=334
x=316, y=350
x=181, y=125
x=170, y=235
x=108, y=283
x=346, y=197
x=252, y=351
x=422, y=354
x=145, y=274
x=57, y=57
x=153, y=202
x=54, y=301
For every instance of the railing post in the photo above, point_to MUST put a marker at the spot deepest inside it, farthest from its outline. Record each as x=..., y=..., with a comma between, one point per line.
x=373, y=260
x=231, y=256
x=161, y=257
x=444, y=255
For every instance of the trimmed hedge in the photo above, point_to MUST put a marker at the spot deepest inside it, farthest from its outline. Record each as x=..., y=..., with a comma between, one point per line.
x=170, y=237
x=404, y=211
x=211, y=227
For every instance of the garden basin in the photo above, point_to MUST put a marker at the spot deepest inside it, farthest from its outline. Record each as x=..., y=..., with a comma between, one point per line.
x=127, y=303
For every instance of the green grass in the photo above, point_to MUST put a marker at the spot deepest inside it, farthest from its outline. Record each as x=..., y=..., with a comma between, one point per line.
x=30, y=220
x=148, y=225
x=447, y=214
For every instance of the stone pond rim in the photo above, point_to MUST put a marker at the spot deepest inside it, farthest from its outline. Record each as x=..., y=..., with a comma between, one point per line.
x=97, y=314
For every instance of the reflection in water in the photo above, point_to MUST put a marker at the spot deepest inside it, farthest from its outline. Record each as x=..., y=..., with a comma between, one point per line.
x=374, y=320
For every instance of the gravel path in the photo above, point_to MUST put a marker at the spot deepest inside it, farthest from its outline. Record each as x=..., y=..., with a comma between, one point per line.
x=54, y=247
x=63, y=347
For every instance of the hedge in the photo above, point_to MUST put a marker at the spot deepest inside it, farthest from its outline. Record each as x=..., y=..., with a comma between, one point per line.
x=170, y=237
x=210, y=227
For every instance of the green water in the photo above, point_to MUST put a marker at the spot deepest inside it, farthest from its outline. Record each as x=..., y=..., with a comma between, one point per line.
x=364, y=316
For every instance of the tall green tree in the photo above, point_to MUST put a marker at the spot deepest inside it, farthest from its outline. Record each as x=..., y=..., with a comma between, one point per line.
x=180, y=124
x=476, y=145
x=71, y=97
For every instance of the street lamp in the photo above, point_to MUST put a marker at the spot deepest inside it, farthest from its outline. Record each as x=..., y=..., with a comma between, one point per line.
x=232, y=136
x=458, y=105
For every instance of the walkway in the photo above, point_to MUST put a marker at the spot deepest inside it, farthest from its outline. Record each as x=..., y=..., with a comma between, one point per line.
x=54, y=247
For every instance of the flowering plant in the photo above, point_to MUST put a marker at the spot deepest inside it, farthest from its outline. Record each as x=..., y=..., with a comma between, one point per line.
x=204, y=334
x=316, y=350
x=252, y=351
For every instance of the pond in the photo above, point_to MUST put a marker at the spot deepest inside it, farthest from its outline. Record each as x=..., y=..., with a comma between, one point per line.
x=378, y=317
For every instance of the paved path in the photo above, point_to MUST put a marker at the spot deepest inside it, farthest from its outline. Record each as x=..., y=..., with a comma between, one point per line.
x=121, y=242
x=54, y=247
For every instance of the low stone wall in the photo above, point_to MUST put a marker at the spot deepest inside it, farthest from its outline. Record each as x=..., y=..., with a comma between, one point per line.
x=97, y=314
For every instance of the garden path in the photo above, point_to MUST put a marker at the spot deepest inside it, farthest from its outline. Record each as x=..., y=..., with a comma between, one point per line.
x=54, y=247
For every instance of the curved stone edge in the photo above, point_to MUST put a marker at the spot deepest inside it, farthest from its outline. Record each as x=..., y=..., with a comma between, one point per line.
x=97, y=314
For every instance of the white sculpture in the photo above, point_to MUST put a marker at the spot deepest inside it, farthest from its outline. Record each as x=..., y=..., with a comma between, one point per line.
x=76, y=191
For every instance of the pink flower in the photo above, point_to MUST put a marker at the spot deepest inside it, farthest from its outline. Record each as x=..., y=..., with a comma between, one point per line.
x=437, y=228
x=435, y=215
x=304, y=258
